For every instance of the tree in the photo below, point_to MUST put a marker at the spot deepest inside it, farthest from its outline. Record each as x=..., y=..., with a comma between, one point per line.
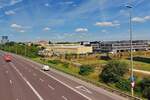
x=123, y=84
x=86, y=70
x=145, y=87
x=49, y=42
x=113, y=71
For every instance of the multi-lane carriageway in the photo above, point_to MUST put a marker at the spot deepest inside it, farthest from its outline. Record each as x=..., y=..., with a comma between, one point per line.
x=22, y=79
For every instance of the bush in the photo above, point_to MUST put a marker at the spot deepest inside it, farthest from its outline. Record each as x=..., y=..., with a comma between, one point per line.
x=145, y=87
x=86, y=70
x=146, y=93
x=142, y=59
x=54, y=61
x=123, y=84
x=113, y=71
x=65, y=64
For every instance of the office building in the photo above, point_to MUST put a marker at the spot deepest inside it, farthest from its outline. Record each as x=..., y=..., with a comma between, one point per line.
x=4, y=39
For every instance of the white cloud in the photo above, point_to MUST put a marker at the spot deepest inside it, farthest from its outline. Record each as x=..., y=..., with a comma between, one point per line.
x=13, y=2
x=138, y=19
x=47, y=29
x=107, y=24
x=16, y=26
x=141, y=19
x=8, y=3
x=10, y=12
x=147, y=17
x=67, y=3
x=81, y=30
x=22, y=31
x=46, y=4
x=104, y=31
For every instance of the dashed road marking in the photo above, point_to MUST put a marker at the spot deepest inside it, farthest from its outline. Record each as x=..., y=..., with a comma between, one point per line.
x=10, y=81
x=34, y=74
x=27, y=82
x=41, y=80
x=7, y=72
x=83, y=89
x=64, y=98
x=88, y=98
x=73, y=89
x=51, y=87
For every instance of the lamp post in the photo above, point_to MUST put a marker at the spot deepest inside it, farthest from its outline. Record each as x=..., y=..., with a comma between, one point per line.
x=131, y=48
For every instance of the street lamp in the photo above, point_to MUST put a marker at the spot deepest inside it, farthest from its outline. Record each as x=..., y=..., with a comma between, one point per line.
x=131, y=48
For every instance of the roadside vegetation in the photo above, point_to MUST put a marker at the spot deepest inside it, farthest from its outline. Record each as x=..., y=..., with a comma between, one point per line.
x=113, y=73
x=21, y=49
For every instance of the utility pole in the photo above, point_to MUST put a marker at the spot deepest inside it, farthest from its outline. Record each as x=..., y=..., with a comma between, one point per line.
x=16, y=48
x=25, y=50
x=131, y=48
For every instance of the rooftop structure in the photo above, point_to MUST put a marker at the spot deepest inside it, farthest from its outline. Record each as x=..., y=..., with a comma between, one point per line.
x=118, y=46
x=121, y=46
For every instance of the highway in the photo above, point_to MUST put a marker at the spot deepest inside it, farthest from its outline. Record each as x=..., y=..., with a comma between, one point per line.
x=22, y=79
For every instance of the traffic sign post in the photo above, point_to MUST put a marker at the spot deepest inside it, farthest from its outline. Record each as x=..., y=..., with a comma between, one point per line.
x=133, y=84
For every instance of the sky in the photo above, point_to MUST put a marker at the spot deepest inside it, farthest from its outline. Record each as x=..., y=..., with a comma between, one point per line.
x=73, y=20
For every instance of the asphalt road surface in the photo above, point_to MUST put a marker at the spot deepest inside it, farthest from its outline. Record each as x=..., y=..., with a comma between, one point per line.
x=22, y=79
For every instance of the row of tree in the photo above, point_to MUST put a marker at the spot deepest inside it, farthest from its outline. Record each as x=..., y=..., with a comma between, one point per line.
x=21, y=48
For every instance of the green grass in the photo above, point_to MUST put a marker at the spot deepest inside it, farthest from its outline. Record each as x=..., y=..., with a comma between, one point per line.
x=72, y=70
x=92, y=61
x=140, y=65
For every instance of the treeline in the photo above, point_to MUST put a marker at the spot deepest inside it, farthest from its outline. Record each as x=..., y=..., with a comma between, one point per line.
x=21, y=49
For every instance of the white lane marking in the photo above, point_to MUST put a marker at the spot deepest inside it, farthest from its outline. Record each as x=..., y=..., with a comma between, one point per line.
x=10, y=81
x=64, y=98
x=34, y=74
x=51, y=87
x=83, y=89
x=88, y=98
x=32, y=88
x=7, y=72
x=66, y=85
x=41, y=80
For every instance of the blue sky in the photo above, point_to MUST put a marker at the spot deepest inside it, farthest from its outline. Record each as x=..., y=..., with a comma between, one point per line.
x=73, y=20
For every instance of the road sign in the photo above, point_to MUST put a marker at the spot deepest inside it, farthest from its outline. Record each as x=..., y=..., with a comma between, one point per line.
x=132, y=79
x=133, y=84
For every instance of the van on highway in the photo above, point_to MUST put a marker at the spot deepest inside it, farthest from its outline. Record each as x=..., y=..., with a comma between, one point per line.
x=45, y=67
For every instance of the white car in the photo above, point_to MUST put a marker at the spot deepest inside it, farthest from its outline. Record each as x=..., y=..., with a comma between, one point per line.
x=45, y=68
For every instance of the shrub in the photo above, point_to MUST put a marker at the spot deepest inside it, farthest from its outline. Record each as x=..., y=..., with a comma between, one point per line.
x=145, y=87
x=86, y=70
x=113, y=71
x=123, y=84
x=65, y=64
x=142, y=59
x=54, y=61
x=146, y=93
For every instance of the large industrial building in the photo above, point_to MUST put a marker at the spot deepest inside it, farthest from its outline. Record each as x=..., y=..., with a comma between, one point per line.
x=118, y=46
x=61, y=49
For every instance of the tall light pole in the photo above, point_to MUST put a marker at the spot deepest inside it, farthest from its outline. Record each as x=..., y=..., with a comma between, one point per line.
x=131, y=48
